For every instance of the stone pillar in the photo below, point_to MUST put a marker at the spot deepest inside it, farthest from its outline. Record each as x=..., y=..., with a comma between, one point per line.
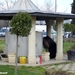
x=59, y=55
x=49, y=27
x=31, y=44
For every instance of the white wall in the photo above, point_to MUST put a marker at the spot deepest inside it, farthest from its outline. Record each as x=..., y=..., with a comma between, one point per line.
x=10, y=44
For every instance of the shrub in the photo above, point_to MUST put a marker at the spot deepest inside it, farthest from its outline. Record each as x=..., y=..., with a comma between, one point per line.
x=21, y=24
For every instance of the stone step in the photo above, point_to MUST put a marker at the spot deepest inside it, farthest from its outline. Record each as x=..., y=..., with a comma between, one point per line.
x=72, y=67
x=67, y=67
x=72, y=72
x=51, y=67
x=60, y=67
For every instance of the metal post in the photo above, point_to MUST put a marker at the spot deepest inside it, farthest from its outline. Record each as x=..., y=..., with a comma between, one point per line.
x=55, y=5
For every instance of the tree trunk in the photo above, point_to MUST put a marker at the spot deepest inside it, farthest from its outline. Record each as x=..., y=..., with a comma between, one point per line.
x=16, y=56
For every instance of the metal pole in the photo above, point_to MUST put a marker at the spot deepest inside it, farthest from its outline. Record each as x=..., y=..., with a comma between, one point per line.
x=55, y=5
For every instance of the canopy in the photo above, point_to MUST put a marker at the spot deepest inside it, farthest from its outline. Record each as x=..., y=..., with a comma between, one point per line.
x=33, y=10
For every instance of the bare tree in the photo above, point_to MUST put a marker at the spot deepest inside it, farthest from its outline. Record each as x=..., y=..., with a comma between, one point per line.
x=49, y=5
x=7, y=4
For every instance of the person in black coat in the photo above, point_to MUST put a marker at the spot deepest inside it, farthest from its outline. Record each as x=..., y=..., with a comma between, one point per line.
x=49, y=44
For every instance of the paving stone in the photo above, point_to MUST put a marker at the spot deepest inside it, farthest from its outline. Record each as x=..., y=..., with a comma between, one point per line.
x=73, y=67
x=66, y=67
x=72, y=72
x=60, y=66
x=45, y=66
x=50, y=67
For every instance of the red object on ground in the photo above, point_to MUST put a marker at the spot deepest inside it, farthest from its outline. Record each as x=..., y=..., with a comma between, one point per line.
x=40, y=59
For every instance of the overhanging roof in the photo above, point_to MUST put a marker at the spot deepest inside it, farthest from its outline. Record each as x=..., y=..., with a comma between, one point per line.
x=52, y=15
x=39, y=15
x=33, y=10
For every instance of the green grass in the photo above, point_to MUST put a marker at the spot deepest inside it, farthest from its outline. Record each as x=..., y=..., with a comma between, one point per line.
x=2, y=45
x=67, y=46
x=23, y=70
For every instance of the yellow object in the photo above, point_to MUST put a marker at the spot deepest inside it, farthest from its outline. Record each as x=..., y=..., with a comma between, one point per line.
x=22, y=60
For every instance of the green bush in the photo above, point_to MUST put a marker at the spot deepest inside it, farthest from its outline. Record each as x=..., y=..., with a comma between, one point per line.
x=21, y=24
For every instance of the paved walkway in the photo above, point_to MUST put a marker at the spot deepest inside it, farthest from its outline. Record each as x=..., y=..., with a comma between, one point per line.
x=69, y=67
